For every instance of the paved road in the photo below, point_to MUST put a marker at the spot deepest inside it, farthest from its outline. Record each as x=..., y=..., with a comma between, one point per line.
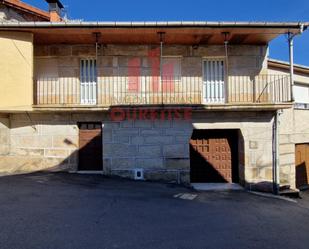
x=60, y=211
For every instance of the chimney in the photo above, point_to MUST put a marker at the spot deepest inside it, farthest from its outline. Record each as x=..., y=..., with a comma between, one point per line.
x=55, y=7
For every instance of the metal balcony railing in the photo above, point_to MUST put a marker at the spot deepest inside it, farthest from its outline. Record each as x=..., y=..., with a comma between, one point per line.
x=152, y=90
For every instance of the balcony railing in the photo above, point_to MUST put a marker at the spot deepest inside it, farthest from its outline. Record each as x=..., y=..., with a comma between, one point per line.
x=151, y=90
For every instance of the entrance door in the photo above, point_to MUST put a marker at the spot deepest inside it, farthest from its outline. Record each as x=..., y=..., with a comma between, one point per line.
x=214, y=156
x=90, y=147
x=302, y=165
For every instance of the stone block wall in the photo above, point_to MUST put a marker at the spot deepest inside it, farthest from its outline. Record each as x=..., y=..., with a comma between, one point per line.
x=40, y=142
x=161, y=148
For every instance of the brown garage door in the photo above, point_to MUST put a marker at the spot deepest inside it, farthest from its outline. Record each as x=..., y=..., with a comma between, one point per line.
x=213, y=156
x=90, y=147
x=302, y=165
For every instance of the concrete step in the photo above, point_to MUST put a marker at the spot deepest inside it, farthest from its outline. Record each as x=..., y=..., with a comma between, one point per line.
x=292, y=193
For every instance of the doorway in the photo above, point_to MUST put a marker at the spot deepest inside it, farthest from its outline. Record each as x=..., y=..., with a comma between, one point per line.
x=90, y=147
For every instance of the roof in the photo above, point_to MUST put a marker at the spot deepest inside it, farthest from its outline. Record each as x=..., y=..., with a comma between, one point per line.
x=21, y=6
x=179, y=32
x=283, y=65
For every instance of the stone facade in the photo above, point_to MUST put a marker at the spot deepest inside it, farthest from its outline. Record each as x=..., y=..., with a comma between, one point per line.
x=161, y=148
x=50, y=141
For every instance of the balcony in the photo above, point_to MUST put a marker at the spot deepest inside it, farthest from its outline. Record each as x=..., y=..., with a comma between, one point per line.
x=109, y=91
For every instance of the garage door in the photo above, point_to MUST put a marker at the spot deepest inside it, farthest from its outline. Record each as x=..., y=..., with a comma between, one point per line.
x=302, y=165
x=90, y=147
x=213, y=156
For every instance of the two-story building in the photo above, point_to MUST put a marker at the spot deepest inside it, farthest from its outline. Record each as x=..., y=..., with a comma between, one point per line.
x=176, y=101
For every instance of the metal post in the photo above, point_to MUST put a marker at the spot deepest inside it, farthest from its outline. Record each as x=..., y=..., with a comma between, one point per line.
x=161, y=34
x=291, y=54
x=226, y=43
x=97, y=36
x=161, y=70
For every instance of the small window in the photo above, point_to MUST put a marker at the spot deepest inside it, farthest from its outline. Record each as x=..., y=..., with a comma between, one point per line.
x=90, y=126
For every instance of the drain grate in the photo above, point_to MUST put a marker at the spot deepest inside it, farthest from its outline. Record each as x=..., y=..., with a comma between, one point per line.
x=186, y=196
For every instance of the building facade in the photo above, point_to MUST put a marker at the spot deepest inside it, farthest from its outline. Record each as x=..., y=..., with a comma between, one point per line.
x=294, y=127
x=182, y=102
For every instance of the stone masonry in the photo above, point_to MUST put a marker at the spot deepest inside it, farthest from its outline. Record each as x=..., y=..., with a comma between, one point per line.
x=161, y=148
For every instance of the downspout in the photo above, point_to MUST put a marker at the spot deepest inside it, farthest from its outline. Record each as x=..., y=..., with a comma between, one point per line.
x=291, y=55
x=276, y=162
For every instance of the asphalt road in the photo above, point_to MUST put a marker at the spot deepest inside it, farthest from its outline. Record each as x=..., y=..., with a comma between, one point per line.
x=60, y=211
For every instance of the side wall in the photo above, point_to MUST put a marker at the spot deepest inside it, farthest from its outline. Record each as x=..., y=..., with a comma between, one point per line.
x=16, y=70
x=294, y=129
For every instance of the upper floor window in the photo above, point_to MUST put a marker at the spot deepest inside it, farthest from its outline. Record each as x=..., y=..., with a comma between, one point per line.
x=301, y=95
x=88, y=81
x=213, y=81
x=171, y=73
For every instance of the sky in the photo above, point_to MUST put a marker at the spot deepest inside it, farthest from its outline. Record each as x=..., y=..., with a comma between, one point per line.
x=199, y=10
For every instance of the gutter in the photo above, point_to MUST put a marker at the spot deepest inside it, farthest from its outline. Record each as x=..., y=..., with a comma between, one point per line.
x=73, y=24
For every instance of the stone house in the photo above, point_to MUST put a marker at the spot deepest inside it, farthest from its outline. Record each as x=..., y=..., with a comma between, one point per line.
x=173, y=101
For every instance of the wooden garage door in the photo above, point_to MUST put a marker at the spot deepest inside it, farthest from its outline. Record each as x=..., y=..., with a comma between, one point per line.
x=90, y=147
x=302, y=165
x=212, y=156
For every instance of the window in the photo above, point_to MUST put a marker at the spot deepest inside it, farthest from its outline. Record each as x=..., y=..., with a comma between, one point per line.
x=88, y=81
x=301, y=93
x=213, y=81
x=171, y=73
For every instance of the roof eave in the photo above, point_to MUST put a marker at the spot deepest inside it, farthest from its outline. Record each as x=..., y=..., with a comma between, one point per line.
x=71, y=24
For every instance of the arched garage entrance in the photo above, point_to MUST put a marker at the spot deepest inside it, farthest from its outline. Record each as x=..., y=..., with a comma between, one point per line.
x=214, y=156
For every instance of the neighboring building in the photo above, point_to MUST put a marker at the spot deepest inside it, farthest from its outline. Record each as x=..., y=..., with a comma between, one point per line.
x=18, y=11
x=174, y=101
x=294, y=127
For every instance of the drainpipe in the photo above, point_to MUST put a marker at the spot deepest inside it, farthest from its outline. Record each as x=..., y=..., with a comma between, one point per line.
x=276, y=162
x=291, y=55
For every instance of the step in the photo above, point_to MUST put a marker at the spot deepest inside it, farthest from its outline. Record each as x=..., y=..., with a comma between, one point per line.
x=293, y=193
